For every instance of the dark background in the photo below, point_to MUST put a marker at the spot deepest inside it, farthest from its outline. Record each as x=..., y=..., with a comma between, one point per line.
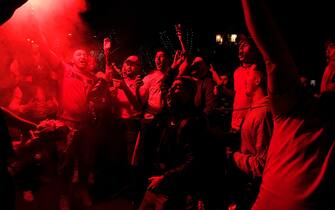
x=138, y=25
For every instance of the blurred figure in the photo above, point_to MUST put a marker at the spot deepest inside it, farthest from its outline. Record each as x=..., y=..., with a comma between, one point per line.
x=328, y=78
x=299, y=169
x=35, y=96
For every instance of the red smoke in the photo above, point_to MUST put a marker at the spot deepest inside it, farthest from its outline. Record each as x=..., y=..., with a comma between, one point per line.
x=58, y=20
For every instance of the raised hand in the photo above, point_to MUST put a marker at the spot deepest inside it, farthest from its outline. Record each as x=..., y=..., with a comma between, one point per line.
x=107, y=44
x=155, y=181
x=180, y=37
x=178, y=59
x=215, y=75
x=179, y=31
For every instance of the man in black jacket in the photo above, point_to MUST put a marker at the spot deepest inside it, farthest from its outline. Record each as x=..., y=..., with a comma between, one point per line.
x=177, y=153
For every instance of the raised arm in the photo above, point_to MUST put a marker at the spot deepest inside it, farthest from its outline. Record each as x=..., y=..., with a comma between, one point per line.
x=16, y=121
x=185, y=64
x=281, y=69
x=180, y=38
x=215, y=75
x=42, y=43
x=111, y=71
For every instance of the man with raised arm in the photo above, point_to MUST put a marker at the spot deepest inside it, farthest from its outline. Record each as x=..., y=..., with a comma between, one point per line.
x=300, y=166
x=75, y=82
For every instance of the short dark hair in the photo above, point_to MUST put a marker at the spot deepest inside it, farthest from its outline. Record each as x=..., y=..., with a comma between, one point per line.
x=189, y=84
x=205, y=57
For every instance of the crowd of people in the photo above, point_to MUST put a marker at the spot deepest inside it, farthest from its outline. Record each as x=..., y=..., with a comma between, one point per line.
x=180, y=136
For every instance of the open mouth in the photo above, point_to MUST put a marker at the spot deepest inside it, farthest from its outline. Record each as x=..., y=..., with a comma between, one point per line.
x=82, y=62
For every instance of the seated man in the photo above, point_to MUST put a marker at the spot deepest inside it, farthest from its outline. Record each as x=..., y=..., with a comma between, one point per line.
x=175, y=158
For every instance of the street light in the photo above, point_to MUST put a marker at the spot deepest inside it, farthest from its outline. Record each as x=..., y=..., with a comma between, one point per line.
x=233, y=38
x=219, y=39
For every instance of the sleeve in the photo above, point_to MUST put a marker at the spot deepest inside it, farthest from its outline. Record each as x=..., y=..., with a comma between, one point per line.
x=253, y=164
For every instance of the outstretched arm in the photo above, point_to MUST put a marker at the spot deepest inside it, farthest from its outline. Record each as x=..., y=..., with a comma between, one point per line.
x=16, y=121
x=281, y=69
x=111, y=70
x=215, y=75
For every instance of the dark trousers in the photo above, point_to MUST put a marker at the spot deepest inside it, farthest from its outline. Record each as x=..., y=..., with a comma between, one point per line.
x=128, y=130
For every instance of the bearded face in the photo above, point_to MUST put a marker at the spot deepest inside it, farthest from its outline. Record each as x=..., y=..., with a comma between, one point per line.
x=180, y=96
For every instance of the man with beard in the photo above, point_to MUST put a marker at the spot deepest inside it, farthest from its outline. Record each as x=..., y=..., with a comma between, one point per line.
x=176, y=151
x=247, y=57
x=75, y=82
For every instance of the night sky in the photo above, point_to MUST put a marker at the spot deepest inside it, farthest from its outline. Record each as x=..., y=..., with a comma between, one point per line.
x=305, y=25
